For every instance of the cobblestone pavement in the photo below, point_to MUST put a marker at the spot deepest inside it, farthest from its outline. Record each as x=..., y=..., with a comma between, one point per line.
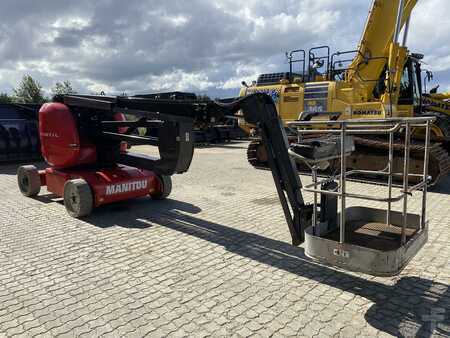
x=213, y=260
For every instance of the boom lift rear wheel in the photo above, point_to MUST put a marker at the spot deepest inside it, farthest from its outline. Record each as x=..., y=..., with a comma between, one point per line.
x=78, y=198
x=28, y=180
x=166, y=185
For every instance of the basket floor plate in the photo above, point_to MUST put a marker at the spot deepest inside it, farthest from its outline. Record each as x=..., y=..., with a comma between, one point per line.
x=374, y=235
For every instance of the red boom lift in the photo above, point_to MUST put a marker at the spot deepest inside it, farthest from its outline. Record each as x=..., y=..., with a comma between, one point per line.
x=86, y=148
x=83, y=141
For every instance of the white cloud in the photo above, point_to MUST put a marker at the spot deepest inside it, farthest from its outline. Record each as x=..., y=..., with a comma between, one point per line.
x=178, y=20
x=179, y=80
x=71, y=23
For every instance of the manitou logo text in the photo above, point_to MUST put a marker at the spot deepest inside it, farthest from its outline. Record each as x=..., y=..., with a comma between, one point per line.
x=126, y=187
x=50, y=134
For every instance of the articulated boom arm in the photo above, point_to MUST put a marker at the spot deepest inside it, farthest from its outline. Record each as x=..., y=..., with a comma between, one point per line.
x=174, y=121
x=379, y=45
x=260, y=110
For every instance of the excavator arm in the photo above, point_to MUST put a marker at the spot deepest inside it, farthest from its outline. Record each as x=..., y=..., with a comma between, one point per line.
x=379, y=48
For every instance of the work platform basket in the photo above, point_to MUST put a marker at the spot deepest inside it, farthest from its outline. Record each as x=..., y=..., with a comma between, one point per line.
x=377, y=241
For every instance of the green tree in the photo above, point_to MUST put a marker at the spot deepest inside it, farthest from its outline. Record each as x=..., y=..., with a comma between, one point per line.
x=29, y=91
x=5, y=98
x=63, y=88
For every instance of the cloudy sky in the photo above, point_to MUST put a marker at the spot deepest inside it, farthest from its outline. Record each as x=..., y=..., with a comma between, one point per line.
x=139, y=46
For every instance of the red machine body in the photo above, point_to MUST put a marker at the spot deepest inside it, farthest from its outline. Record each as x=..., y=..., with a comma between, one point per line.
x=108, y=185
x=73, y=156
x=61, y=144
x=85, y=138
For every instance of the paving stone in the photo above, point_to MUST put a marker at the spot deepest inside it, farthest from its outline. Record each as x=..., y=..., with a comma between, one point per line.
x=212, y=260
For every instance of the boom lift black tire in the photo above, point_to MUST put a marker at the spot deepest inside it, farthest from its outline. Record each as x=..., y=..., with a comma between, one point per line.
x=78, y=198
x=29, y=180
x=166, y=182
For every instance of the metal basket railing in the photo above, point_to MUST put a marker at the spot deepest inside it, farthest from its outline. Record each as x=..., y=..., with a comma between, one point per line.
x=345, y=129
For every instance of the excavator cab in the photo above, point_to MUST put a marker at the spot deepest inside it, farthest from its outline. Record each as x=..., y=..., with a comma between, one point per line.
x=411, y=84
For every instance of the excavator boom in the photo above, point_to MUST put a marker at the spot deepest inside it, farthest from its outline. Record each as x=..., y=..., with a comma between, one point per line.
x=384, y=23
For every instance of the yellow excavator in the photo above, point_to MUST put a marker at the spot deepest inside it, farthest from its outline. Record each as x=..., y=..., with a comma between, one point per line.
x=380, y=79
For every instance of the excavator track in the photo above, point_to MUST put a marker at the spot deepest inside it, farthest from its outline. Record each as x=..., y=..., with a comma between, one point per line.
x=375, y=150
x=439, y=159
